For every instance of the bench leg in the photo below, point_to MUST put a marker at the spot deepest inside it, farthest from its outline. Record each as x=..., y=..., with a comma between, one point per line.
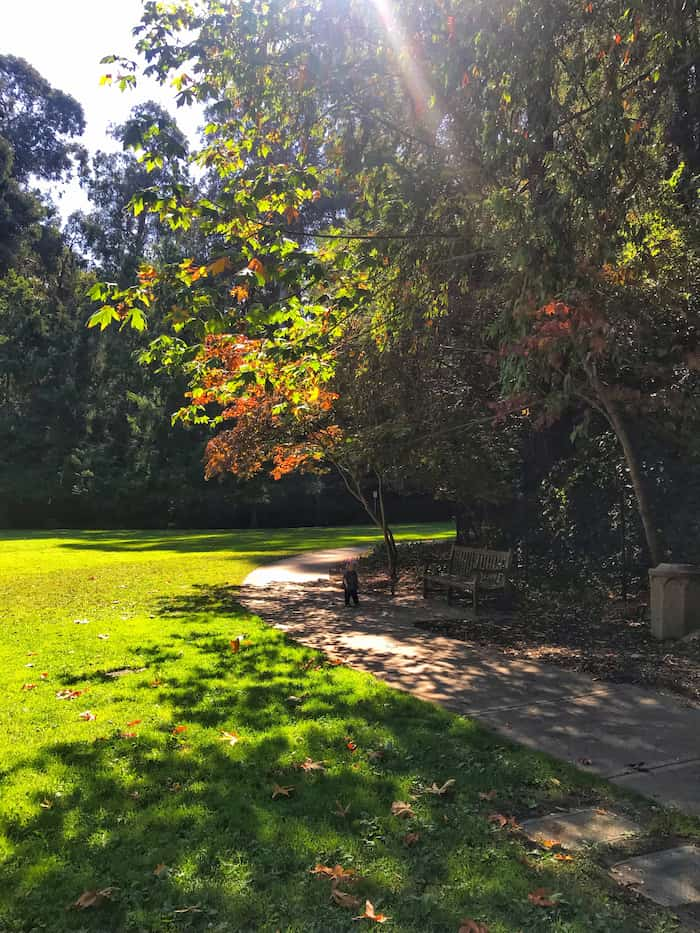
x=476, y=597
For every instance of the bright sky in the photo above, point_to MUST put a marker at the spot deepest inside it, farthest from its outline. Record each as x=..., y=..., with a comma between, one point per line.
x=65, y=40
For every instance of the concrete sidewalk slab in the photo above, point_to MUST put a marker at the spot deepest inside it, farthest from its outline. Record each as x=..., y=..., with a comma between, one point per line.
x=612, y=729
x=581, y=827
x=669, y=878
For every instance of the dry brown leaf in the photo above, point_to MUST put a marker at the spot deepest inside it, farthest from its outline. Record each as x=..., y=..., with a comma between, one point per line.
x=370, y=914
x=562, y=857
x=127, y=735
x=472, y=926
x=500, y=820
x=410, y=839
x=69, y=694
x=134, y=722
x=488, y=796
x=441, y=791
x=550, y=843
x=279, y=791
x=310, y=765
x=344, y=898
x=93, y=898
x=194, y=909
x=541, y=898
x=46, y=804
x=402, y=809
x=28, y=686
x=231, y=737
x=235, y=644
x=336, y=872
x=161, y=869
x=340, y=810
x=87, y=716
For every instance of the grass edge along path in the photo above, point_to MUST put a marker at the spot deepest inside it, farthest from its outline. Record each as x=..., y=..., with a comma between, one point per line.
x=192, y=766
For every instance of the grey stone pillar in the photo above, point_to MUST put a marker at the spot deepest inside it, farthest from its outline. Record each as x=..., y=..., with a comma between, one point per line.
x=675, y=600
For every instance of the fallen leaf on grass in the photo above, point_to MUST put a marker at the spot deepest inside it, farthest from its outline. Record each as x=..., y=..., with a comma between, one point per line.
x=32, y=654
x=343, y=898
x=127, y=735
x=472, y=926
x=550, y=843
x=541, y=898
x=310, y=765
x=441, y=791
x=336, y=872
x=229, y=737
x=81, y=621
x=410, y=839
x=488, y=796
x=402, y=809
x=156, y=683
x=93, y=898
x=280, y=791
x=370, y=914
x=161, y=869
x=134, y=722
x=69, y=694
x=28, y=686
x=561, y=857
x=44, y=675
x=235, y=644
x=500, y=820
x=87, y=716
x=179, y=729
x=340, y=810
x=135, y=795
x=194, y=909
x=46, y=804
x=103, y=636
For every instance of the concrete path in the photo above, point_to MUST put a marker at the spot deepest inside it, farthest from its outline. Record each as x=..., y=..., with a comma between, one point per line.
x=635, y=737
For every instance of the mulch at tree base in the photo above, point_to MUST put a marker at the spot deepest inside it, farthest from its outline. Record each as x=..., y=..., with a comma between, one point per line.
x=596, y=634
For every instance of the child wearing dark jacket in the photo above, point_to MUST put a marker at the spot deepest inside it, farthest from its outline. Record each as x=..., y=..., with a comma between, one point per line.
x=350, y=585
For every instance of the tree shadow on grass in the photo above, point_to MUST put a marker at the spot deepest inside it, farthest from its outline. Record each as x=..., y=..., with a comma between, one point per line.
x=241, y=860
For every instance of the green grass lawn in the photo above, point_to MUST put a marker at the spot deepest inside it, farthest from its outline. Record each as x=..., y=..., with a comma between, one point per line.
x=149, y=783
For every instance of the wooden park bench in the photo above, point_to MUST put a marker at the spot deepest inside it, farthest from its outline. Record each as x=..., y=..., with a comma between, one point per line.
x=471, y=570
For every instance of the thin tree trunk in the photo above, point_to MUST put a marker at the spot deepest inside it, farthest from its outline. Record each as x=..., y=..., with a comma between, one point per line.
x=617, y=422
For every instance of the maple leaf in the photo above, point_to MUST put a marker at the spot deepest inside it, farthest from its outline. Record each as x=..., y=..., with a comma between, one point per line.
x=541, y=898
x=410, y=839
x=370, y=914
x=343, y=898
x=93, y=898
x=310, y=765
x=161, y=869
x=280, y=791
x=219, y=265
x=229, y=737
x=500, y=820
x=472, y=926
x=401, y=809
x=87, y=716
x=29, y=687
x=340, y=810
x=440, y=791
x=179, y=729
x=336, y=872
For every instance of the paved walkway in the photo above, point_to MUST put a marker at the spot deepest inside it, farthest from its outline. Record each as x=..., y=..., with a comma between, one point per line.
x=637, y=738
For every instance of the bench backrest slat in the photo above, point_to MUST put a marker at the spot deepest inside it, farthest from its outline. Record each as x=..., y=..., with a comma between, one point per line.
x=493, y=564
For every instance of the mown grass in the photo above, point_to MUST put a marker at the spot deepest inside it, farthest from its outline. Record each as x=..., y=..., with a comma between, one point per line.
x=94, y=804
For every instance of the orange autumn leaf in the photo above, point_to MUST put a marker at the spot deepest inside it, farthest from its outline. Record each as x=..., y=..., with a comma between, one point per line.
x=310, y=765
x=44, y=675
x=256, y=266
x=178, y=729
x=219, y=265
x=370, y=914
x=235, y=644
x=93, y=898
x=402, y=810
x=562, y=857
x=618, y=38
x=29, y=687
x=336, y=872
x=127, y=735
x=87, y=716
x=134, y=722
x=316, y=195
x=541, y=898
x=550, y=843
x=239, y=292
x=279, y=791
x=351, y=746
x=69, y=694
x=472, y=926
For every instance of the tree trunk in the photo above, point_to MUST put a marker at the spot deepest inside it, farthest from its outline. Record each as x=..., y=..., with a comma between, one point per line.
x=617, y=422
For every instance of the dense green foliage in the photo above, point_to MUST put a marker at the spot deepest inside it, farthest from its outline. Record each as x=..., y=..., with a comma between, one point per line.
x=84, y=808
